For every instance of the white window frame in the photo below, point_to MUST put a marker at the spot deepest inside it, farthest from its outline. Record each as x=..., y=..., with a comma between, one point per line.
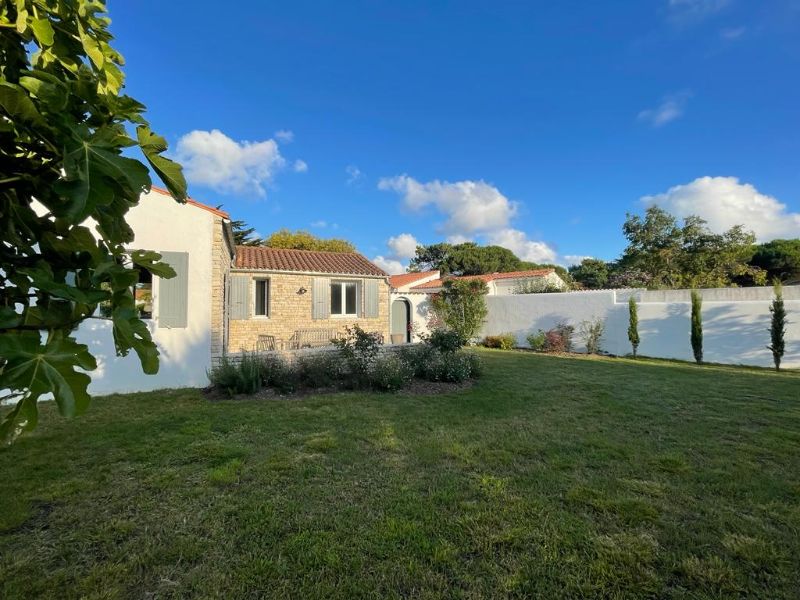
x=344, y=283
x=268, y=290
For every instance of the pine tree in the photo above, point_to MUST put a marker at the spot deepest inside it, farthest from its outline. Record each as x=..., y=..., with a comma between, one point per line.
x=697, y=326
x=777, y=328
x=633, y=324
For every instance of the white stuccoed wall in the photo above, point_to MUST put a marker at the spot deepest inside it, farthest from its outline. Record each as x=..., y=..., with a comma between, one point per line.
x=161, y=224
x=735, y=321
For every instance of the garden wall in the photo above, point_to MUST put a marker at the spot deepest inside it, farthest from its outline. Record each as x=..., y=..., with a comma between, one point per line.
x=735, y=321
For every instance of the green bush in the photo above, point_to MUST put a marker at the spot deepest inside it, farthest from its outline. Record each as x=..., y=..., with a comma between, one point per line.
x=390, y=373
x=591, y=332
x=475, y=363
x=238, y=377
x=452, y=367
x=503, y=341
x=417, y=357
x=445, y=340
x=358, y=350
x=322, y=369
x=537, y=340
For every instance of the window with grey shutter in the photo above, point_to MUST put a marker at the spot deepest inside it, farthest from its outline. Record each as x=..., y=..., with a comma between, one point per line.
x=173, y=293
x=239, y=307
x=321, y=298
x=371, y=298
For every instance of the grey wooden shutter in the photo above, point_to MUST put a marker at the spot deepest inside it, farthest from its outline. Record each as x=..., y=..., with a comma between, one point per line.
x=371, y=298
x=173, y=293
x=239, y=306
x=321, y=298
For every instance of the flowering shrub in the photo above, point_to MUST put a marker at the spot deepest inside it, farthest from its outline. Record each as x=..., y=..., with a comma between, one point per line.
x=391, y=373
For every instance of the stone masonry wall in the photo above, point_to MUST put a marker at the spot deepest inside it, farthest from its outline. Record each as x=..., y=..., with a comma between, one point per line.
x=221, y=262
x=290, y=311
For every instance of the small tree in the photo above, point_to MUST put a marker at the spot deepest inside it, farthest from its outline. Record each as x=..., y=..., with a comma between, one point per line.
x=777, y=328
x=461, y=306
x=591, y=332
x=633, y=324
x=697, y=326
x=67, y=182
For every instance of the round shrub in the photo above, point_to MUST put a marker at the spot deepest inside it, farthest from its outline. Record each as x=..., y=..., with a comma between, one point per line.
x=390, y=373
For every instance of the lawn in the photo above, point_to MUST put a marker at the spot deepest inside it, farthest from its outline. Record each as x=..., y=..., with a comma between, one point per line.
x=552, y=477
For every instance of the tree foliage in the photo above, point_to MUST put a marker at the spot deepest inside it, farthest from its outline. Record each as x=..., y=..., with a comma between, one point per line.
x=688, y=255
x=633, y=325
x=780, y=259
x=65, y=189
x=303, y=240
x=471, y=259
x=461, y=306
x=244, y=235
x=697, y=326
x=777, y=330
x=591, y=274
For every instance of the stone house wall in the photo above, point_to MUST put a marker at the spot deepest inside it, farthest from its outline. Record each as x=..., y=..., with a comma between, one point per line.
x=291, y=310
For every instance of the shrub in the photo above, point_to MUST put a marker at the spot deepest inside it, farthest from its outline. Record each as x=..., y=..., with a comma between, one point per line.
x=453, y=367
x=475, y=364
x=503, y=341
x=557, y=339
x=322, y=369
x=445, y=340
x=238, y=377
x=390, y=373
x=461, y=306
x=633, y=324
x=537, y=340
x=359, y=349
x=697, y=326
x=591, y=332
x=777, y=328
x=417, y=357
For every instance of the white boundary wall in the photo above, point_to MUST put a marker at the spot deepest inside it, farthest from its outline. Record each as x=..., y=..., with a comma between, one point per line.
x=735, y=321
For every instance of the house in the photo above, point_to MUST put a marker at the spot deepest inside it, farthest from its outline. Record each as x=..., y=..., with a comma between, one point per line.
x=295, y=298
x=185, y=314
x=410, y=295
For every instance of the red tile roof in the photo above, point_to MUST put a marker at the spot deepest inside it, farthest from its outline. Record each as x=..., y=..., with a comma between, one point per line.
x=437, y=283
x=397, y=281
x=305, y=261
x=211, y=209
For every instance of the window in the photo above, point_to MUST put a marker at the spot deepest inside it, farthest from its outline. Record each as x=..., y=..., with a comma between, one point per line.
x=344, y=298
x=143, y=294
x=262, y=298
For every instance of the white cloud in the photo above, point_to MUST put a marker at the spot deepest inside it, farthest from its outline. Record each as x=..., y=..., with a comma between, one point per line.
x=517, y=241
x=403, y=246
x=300, y=166
x=469, y=206
x=285, y=135
x=574, y=259
x=672, y=107
x=353, y=174
x=732, y=33
x=321, y=224
x=390, y=265
x=212, y=159
x=693, y=11
x=725, y=202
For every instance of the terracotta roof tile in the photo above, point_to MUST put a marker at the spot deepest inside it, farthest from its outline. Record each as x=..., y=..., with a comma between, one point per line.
x=397, y=281
x=305, y=261
x=437, y=283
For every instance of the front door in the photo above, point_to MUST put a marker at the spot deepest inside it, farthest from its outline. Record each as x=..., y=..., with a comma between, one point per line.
x=401, y=319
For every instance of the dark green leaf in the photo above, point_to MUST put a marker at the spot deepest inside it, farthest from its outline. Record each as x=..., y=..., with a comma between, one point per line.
x=168, y=171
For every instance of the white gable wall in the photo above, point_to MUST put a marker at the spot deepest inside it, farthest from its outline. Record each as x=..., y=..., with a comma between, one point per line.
x=161, y=224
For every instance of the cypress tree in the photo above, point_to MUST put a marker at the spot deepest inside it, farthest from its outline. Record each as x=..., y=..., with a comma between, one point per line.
x=778, y=326
x=633, y=324
x=697, y=326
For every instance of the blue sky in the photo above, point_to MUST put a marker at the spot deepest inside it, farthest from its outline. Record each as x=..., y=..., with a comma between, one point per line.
x=536, y=125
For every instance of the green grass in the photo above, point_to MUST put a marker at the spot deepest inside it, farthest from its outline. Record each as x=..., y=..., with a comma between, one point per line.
x=553, y=477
